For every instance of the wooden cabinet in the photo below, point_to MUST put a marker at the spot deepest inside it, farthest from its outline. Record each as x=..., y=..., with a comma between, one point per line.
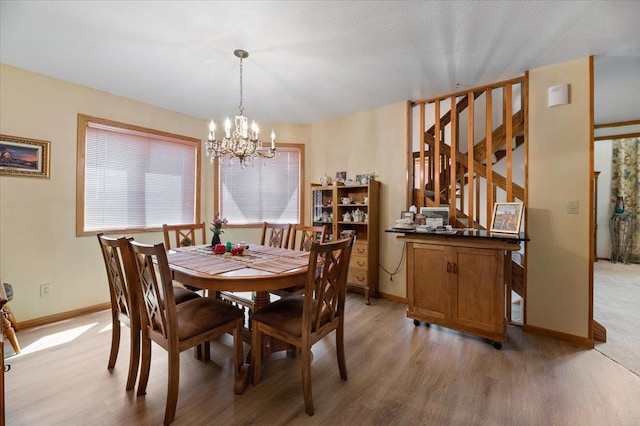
x=458, y=283
x=352, y=209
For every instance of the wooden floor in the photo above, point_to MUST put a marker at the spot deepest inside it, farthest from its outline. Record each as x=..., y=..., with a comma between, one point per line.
x=616, y=306
x=398, y=374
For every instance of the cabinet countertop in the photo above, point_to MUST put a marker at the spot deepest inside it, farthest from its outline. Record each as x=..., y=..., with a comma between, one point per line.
x=463, y=233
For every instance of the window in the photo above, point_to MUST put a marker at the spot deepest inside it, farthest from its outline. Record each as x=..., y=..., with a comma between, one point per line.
x=271, y=191
x=134, y=179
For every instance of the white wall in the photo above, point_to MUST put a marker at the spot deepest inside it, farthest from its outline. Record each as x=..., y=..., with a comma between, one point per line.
x=602, y=160
x=559, y=171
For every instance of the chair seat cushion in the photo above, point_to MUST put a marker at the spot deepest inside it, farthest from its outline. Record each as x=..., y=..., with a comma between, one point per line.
x=202, y=314
x=286, y=315
x=182, y=294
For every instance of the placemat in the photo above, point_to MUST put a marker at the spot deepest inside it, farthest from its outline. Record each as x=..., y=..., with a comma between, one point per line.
x=282, y=264
x=204, y=263
x=276, y=251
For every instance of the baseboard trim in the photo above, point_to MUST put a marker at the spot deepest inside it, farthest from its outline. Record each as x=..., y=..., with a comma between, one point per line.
x=599, y=332
x=63, y=316
x=571, y=338
x=394, y=298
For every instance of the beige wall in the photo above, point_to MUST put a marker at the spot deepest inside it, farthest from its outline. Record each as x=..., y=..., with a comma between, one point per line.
x=559, y=171
x=37, y=216
x=372, y=140
x=37, y=235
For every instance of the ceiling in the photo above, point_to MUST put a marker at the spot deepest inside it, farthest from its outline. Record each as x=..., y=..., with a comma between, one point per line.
x=317, y=60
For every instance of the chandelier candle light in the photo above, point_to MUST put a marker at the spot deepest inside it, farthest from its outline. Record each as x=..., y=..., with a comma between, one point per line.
x=240, y=143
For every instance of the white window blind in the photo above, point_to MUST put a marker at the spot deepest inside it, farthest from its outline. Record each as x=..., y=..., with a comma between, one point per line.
x=135, y=179
x=267, y=192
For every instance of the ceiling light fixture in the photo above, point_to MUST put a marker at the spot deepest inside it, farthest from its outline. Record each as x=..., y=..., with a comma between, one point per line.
x=243, y=143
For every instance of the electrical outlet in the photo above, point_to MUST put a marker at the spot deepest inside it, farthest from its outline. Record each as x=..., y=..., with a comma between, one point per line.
x=573, y=207
x=45, y=289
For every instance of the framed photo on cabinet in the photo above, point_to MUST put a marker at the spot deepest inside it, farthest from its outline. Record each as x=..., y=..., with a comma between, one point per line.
x=436, y=216
x=406, y=215
x=506, y=218
x=24, y=157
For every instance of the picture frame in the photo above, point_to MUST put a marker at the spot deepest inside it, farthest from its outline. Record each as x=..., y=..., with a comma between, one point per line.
x=341, y=176
x=406, y=215
x=435, y=216
x=24, y=157
x=506, y=218
x=363, y=179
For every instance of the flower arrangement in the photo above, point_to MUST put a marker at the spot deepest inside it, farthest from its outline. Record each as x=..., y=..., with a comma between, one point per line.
x=217, y=224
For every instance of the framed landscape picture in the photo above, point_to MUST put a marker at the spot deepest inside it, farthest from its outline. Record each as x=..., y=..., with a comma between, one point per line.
x=24, y=157
x=506, y=218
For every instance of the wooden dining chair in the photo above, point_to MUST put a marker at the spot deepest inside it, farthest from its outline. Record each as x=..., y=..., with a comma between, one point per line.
x=124, y=309
x=303, y=320
x=275, y=234
x=176, y=328
x=184, y=235
x=302, y=237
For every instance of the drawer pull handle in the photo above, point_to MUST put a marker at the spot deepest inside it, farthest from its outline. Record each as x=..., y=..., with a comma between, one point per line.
x=360, y=250
x=361, y=263
x=361, y=279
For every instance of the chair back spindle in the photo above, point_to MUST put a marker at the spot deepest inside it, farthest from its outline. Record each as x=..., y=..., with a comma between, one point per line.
x=184, y=235
x=275, y=234
x=303, y=236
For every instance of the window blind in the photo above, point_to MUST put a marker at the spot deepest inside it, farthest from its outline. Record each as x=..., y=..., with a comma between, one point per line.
x=267, y=192
x=137, y=180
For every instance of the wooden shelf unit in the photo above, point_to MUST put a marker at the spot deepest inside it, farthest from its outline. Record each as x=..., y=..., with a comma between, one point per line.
x=328, y=209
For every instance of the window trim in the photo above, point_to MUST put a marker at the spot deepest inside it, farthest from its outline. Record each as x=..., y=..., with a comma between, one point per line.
x=83, y=122
x=301, y=213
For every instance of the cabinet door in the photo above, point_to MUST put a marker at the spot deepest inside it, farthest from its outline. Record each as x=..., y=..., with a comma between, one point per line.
x=429, y=281
x=478, y=301
x=322, y=210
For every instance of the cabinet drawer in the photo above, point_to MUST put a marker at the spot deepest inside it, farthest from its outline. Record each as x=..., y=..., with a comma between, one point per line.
x=357, y=276
x=359, y=262
x=360, y=249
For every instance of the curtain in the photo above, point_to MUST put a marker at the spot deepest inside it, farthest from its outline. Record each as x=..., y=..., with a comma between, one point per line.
x=625, y=182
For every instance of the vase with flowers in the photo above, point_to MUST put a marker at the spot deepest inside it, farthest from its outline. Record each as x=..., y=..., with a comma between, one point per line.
x=216, y=226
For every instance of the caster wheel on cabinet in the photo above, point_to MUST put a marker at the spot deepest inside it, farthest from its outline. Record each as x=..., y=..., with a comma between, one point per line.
x=416, y=322
x=497, y=345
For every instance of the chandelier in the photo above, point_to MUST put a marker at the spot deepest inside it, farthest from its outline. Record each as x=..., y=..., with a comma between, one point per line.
x=242, y=143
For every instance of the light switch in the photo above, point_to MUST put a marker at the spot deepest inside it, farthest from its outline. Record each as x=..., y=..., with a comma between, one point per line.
x=573, y=207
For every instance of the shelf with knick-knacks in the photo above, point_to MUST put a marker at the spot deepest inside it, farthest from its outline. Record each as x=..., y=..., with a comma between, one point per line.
x=347, y=210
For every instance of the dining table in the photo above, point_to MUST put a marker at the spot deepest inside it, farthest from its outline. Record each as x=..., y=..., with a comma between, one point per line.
x=259, y=270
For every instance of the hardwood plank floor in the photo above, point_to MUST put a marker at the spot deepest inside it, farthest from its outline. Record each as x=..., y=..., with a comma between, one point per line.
x=398, y=374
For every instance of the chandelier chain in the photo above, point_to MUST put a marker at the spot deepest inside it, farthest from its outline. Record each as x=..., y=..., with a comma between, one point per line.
x=240, y=107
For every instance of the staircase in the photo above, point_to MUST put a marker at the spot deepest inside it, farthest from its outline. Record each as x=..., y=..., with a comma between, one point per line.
x=457, y=160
